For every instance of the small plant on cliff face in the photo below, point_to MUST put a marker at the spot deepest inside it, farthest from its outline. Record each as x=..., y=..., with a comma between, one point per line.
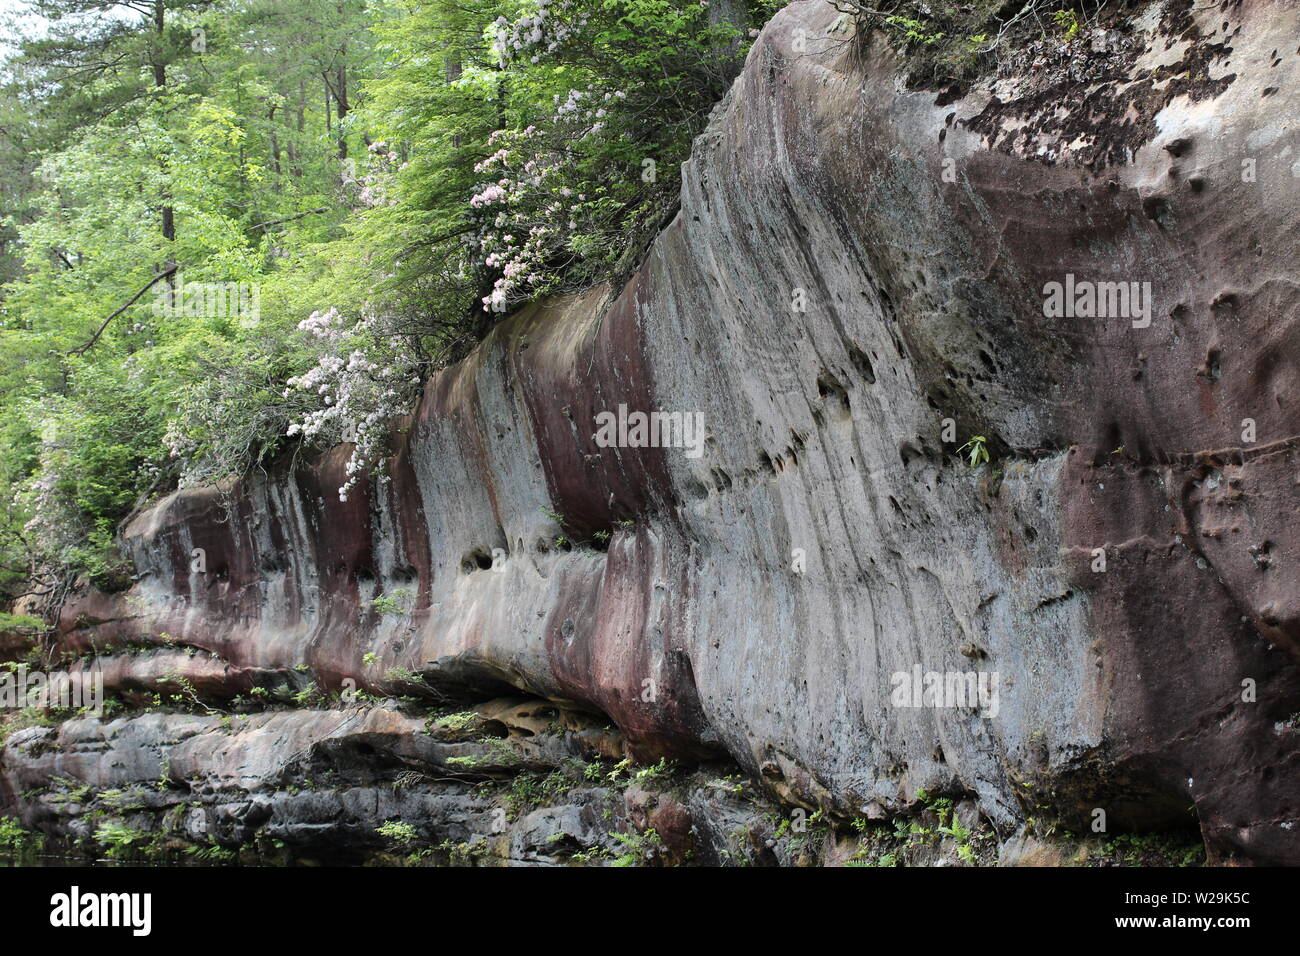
x=212, y=853
x=664, y=768
x=398, y=601
x=463, y=854
x=307, y=696
x=1068, y=22
x=188, y=692
x=976, y=451
x=637, y=847
x=117, y=838
x=456, y=726
x=21, y=623
x=528, y=791
x=68, y=792
x=14, y=839
x=470, y=762
x=402, y=675
x=398, y=832
x=123, y=800
x=590, y=855
x=915, y=31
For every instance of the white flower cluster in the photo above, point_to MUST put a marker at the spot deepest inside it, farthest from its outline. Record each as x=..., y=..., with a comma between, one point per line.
x=541, y=32
x=372, y=186
x=54, y=526
x=355, y=397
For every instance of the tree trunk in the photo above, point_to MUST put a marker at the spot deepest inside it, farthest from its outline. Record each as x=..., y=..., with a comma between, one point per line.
x=168, y=212
x=341, y=99
x=302, y=125
x=275, y=147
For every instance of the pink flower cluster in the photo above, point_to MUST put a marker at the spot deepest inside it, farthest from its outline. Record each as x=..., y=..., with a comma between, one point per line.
x=364, y=378
x=531, y=216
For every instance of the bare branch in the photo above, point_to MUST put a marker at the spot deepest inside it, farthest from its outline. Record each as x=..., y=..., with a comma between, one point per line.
x=276, y=222
x=87, y=346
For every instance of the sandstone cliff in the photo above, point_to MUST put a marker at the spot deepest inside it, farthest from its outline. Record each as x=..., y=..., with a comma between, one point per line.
x=854, y=263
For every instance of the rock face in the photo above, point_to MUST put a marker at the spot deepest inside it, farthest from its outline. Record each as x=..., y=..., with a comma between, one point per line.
x=857, y=283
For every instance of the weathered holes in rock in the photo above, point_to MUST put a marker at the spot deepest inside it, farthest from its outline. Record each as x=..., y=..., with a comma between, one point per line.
x=862, y=364
x=1159, y=210
x=354, y=760
x=599, y=539
x=898, y=347
x=1056, y=598
x=404, y=574
x=1224, y=304
x=766, y=463
x=696, y=489
x=1260, y=555
x=491, y=728
x=1178, y=147
x=1269, y=90
x=1213, y=368
x=561, y=846
x=909, y=453
x=721, y=480
x=834, y=395
x=1111, y=441
x=477, y=560
x=1030, y=532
